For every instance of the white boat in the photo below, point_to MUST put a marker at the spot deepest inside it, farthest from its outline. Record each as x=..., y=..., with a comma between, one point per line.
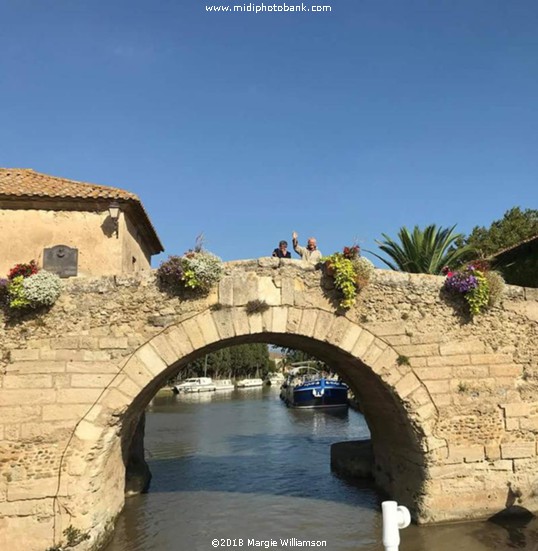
x=224, y=384
x=248, y=383
x=195, y=384
x=275, y=379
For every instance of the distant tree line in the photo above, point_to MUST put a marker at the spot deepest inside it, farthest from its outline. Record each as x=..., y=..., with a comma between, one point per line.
x=234, y=362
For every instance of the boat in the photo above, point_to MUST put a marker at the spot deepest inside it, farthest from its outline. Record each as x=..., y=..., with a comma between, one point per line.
x=224, y=384
x=307, y=387
x=249, y=383
x=195, y=384
x=275, y=379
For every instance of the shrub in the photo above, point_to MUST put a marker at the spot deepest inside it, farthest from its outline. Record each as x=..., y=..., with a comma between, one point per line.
x=42, y=289
x=480, y=287
x=350, y=271
x=198, y=270
x=16, y=297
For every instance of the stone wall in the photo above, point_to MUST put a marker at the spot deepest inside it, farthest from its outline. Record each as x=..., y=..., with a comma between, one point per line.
x=450, y=401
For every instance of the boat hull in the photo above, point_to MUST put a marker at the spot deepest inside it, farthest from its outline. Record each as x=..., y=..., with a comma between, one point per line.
x=321, y=393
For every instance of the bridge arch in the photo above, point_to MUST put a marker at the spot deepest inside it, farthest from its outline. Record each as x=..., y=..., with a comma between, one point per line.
x=397, y=406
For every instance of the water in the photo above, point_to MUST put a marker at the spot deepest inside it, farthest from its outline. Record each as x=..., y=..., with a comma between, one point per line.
x=239, y=465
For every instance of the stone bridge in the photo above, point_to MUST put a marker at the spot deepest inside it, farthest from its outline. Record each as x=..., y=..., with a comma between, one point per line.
x=451, y=402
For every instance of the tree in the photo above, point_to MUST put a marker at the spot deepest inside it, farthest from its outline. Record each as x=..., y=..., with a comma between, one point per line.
x=425, y=251
x=514, y=227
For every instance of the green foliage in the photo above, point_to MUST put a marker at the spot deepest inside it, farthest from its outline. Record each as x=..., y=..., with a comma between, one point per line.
x=423, y=251
x=403, y=360
x=75, y=536
x=350, y=273
x=496, y=286
x=245, y=360
x=515, y=226
x=256, y=307
x=478, y=298
x=16, y=296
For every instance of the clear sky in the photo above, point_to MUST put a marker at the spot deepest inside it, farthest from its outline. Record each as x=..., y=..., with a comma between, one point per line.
x=244, y=126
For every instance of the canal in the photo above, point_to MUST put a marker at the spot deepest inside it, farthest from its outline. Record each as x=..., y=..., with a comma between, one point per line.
x=240, y=465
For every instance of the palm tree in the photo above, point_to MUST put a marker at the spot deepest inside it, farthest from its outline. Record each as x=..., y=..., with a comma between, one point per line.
x=423, y=251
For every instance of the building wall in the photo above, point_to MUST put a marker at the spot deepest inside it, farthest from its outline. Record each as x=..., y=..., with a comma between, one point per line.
x=135, y=254
x=25, y=233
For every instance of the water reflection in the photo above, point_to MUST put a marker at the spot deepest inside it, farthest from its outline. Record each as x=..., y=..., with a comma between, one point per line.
x=241, y=464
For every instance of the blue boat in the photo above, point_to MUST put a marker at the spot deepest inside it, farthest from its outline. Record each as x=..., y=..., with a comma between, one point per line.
x=306, y=387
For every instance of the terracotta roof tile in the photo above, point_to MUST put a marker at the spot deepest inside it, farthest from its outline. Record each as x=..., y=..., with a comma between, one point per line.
x=25, y=182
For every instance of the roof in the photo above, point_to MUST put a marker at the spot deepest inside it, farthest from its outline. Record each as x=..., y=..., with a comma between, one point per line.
x=24, y=183
x=513, y=248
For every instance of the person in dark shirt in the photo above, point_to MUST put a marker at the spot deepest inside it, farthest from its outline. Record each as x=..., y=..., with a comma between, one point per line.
x=282, y=250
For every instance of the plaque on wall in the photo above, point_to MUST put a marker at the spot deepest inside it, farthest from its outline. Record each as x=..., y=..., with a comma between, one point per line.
x=61, y=260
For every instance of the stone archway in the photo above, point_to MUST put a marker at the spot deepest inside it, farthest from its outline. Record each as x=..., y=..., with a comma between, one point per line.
x=397, y=406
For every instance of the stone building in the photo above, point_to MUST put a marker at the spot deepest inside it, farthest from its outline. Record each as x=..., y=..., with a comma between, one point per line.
x=72, y=228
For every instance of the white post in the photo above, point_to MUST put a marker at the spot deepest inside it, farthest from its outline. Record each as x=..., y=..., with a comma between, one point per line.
x=395, y=518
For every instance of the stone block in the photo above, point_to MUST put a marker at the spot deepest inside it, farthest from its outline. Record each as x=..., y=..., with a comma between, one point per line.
x=93, y=367
x=153, y=362
x=245, y=288
x=387, y=328
x=24, y=355
x=364, y=341
x=407, y=385
x=455, y=348
x=255, y=323
x=78, y=395
x=36, y=367
x=223, y=323
x=349, y=338
x=65, y=342
x=268, y=291
x=27, y=381
x=294, y=319
x=505, y=370
x=373, y=353
x=386, y=361
x=456, y=360
x=64, y=412
x=529, y=423
x=493, y=452
x=467, y=454
x=226, y=295
x=287, y=291
x=518, y=409
x=433, y=373
x=442, y=400
x=240, y=321
x=418, y=349
x=113, y=342
x=88, y=432
x=19, y=414
x=32, y=489
x=512, y=423
x=280, y=319
x=179, y=341
x=518, y=450
x=395, y=340
x=80, y=380
x=308, y=322
x=164, y=349
x=470, y=371
x=491, y=359
x=34, y=396
x=323, y=325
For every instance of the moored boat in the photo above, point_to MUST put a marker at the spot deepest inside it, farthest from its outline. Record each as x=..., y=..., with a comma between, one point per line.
x=306, y=387
x=224, y=384
x=195, y=384
x=249, y=383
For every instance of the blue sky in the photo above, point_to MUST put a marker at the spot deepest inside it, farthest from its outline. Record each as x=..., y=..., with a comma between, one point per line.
x=245, y=127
